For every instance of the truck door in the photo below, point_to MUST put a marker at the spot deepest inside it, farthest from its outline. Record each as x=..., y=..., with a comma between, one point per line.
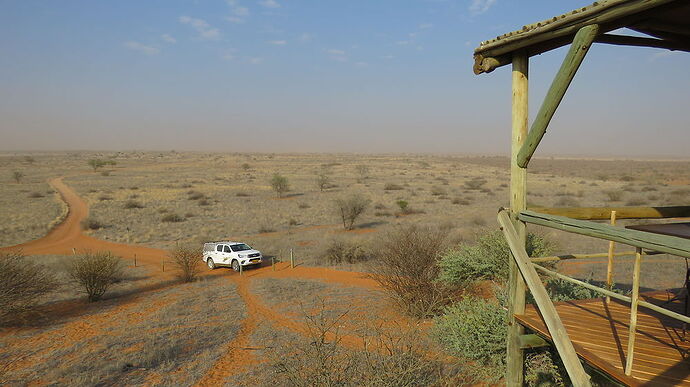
x=218, y=254
x=227, y=253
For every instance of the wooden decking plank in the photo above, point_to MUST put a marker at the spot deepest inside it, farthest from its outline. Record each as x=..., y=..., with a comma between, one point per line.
x=599, y=333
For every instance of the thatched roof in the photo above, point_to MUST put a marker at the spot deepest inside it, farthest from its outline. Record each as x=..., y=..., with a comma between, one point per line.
x=667, y=22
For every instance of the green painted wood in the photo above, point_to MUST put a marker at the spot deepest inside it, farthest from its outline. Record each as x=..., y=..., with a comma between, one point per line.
x=656, y=242
x=553, y=322
x=532, y=341
x=578, y=49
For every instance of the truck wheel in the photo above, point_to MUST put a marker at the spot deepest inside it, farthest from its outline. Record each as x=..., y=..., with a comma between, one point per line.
x=210, y=264
x=235, y=265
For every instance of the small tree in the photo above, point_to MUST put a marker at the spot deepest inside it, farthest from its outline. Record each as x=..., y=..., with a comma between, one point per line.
x=362, y=171
x=187, y=259
x=323, y=181
x=279, y=183
x=404, y=206
x=17, y=176
x=22, y=285
x=246, y=166
x=29, y=159
x=96, y=164
x=95, y=272
x=351, y=208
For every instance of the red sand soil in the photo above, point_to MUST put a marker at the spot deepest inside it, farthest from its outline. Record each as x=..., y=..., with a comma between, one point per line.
x=67, y=237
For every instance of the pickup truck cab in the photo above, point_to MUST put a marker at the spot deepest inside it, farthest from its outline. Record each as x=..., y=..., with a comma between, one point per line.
x=231, y=254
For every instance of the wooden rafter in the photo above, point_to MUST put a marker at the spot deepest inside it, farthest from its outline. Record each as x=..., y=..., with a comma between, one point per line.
x=578, y=49
x=622, y=40
x=604, y=213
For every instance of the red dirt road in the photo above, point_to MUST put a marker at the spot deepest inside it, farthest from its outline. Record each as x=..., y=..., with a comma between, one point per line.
x=68, y=235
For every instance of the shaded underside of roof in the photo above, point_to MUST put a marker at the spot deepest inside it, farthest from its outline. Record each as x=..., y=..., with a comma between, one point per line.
x=666, y=22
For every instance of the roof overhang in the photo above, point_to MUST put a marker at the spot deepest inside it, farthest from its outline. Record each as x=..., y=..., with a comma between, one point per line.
x=666, y=22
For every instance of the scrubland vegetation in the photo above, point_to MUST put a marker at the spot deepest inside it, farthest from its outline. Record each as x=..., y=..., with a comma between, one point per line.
x=420, y=228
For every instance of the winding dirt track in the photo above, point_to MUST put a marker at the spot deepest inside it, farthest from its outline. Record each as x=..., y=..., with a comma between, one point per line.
x=68, y=235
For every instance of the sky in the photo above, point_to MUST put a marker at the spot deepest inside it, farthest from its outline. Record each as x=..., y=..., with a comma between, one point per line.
x=367, y=76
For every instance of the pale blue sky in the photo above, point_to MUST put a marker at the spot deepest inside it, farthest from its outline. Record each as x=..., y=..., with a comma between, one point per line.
x=313, y=76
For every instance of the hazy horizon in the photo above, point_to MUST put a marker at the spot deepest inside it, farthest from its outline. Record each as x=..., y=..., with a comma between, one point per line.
x=310, y=77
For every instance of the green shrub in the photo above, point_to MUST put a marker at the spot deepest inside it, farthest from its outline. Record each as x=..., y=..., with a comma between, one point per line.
x=404, y=205
x=475, y=329
x=22, y=285
x=95, y=272
x=544, y=368
x=486, y=259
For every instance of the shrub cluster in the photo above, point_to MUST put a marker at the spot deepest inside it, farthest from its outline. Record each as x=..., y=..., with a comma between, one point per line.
x=339, y=251
x=22, y=285
x=486, y=259
x=387, y=360
x=186, y=259
x=95, y=272
x=406, y=266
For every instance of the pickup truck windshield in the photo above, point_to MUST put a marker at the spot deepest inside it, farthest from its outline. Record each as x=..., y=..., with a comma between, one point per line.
x=240, y=247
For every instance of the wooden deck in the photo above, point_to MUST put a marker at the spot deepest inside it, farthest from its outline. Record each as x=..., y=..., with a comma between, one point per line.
x=599, y=333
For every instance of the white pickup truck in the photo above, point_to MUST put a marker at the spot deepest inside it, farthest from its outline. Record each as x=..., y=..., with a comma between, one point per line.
x=231, y=254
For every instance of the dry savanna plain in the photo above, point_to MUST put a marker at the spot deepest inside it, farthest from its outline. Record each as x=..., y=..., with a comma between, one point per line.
x=274, y=325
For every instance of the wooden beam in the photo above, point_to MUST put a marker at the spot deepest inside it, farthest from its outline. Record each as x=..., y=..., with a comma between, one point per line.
x=532, y=341
x=579, y=256
x=635, y=299
x=604, y=213
x=518, y=202
x=637, y=41
x=553, y=322
x=656, y=242
x=578, y=49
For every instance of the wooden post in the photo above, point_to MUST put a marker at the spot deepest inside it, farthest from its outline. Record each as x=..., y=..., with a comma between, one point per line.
x=581, y=43
x=609, y=268
x=292, y=260
x=240, y=265
x=273, y=263
x=135, y=260
x=74, y=251
x=553, y=322
x=518, y=202
x=633, y=312
x=163, y=266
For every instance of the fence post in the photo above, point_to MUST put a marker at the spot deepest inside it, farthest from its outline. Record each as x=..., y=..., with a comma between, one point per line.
x=273, y=263
x=135, y=260
x=163, y=266
x=609, y=269
x=240, y=267
x=74, y=251
x=292, y=260
x=633, y=311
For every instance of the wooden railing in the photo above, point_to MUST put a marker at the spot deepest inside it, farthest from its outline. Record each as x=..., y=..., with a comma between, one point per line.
x=637, y=239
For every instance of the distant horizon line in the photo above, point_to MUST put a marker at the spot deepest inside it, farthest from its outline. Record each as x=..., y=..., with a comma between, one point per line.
x=592, y=156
